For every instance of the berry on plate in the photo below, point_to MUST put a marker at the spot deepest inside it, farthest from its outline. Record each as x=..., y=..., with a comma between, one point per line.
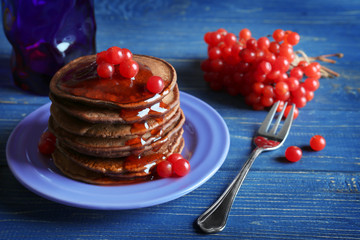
x=174, y=165
x=47, y=143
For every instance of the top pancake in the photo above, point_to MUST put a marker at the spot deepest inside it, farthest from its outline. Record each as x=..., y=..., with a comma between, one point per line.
x=80, y=74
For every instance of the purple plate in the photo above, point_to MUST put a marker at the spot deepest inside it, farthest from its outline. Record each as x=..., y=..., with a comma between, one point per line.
x=207, y=143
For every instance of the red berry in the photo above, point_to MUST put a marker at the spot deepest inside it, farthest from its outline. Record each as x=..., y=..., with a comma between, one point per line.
x=127, y=54
x=281, y=63
x=278, y=35
x=252, y=98
x=293, y=153
x=207, y=37
x=283, y=97
x=230, y=39
x=274, y=47
x=164, y=169
x=214, y=53
x=309, y=95
x=287, y=111
x=222, y=31
x=174, y=157
x=248, y=55
x=293, y=83
x=181, y=167
x=280, y=106
x=258, y=107
x=258, y=87
x=105, y=70
x=293, y=38
x=259, y=76
x=302, y=64
x=286, y=50
x=266, y=101
x=282, y=78
x=300, y=102
x=226, y=52
x=268, y=91
x=269, y=57
x=264, y=67
x=251, y=44
x=263, y=43
x=317, y=143
x=114, y=55
x=215, y=38
x=317, y=65
x=311, y=70
x=243, y=66
x=155, y=84
x=129, y=68
x=281, y=88
x=47, y=143
x=217, y=65
x=236, y=48
x=311, y=84
x=245, y=34
x=101, y=57
x=297, y=73
x=299, y=92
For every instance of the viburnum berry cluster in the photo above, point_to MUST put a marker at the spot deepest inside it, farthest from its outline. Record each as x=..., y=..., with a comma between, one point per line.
x=261, y=70
x=116, y=59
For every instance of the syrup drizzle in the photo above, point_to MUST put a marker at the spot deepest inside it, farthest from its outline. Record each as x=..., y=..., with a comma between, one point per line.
x=84, y=82
x=156, y=110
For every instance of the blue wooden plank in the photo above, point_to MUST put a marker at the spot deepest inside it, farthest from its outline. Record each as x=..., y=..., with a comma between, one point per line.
x=315, y=198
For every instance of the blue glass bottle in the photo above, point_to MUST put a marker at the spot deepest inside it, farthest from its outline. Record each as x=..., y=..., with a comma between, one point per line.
x=45, y=35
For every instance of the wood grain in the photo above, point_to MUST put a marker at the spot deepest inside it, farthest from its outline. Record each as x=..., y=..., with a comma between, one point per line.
x=315, y=198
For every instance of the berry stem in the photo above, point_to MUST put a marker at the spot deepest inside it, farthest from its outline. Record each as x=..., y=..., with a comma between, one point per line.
x=325, y=58
x=325, y=71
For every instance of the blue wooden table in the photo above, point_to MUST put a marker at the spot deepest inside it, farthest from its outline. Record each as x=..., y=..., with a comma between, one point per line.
x=315, y=198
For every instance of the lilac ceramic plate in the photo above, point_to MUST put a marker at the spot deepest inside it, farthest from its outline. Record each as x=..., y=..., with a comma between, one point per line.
x=206, y=144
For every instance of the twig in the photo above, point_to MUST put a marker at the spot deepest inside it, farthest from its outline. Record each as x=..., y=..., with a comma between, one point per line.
x=325, y=72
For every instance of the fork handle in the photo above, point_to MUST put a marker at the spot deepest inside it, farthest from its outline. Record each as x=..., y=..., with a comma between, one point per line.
x=215, y=217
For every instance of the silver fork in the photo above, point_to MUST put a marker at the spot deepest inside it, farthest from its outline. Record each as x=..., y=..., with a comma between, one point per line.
x=214, y=219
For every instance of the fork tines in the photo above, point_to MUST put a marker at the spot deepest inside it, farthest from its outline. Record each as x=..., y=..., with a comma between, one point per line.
x=270, y=116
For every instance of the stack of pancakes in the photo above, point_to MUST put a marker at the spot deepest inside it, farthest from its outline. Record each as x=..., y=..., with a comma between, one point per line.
x=112, y=131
